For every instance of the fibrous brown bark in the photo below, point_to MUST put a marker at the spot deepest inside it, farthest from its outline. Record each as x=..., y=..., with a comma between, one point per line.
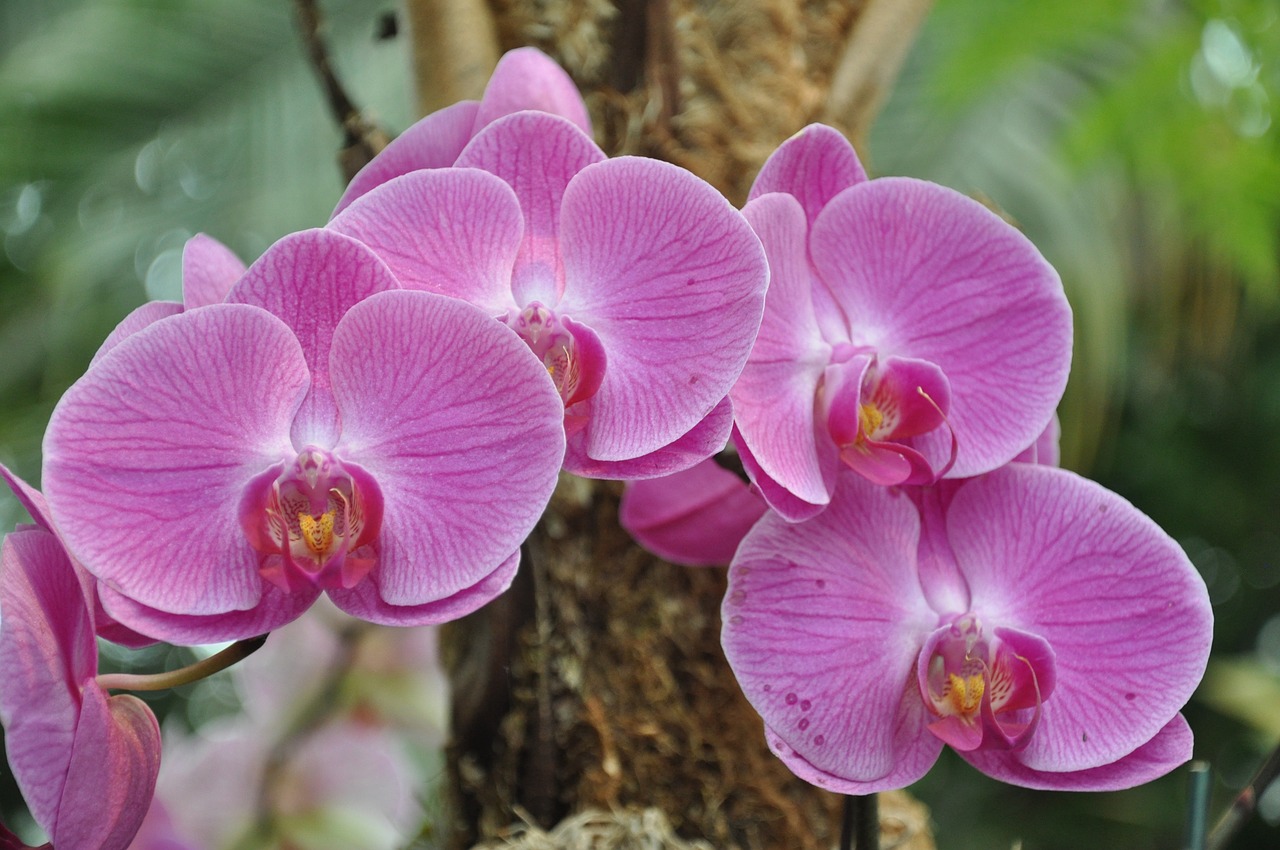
x=594, y=694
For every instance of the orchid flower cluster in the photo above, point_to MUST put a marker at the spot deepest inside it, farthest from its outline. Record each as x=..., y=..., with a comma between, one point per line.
x=378, y=410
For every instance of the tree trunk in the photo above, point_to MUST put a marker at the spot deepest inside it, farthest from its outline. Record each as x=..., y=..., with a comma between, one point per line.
x=594, y=694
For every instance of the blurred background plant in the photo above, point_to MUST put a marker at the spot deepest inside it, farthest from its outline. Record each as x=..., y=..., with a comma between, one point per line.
x=1133, y=140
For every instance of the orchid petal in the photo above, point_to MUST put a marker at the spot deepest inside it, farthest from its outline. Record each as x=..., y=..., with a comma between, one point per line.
x=672, y=280
x=925, y=272
x=366, y=602
x=813, y=166
x=31, y=499
x=779, y=498
x=433, y=142
x=309, y=280
x=911, y=765
x=1170, y=747
x=823, y=626
x=147, y=314
x=537, y=154
x=454, y=231
x=696, y=517
x=46, y=651
x=1044, y=450
x=209, y=270
x=461, y=428
x=774, y=397
x=274, y=609
x=112, y=774
x=526, y=78
x=696, y=445
x=146, y=455
x=1127, y=615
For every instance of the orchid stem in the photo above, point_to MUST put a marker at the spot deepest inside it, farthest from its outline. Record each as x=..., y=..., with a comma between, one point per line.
x=860, y=826
x=215, y=663
x=1242, y=808
x=1198, y=788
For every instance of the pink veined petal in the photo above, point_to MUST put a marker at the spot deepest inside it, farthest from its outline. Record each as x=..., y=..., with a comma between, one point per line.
x=1170, y=747
x=925, y=272
x=1123, y=609
x=365, y=600
x=813, y=166
x=911, y=766
x=433, y=142
x=460, y=426
x=209, y=270
x=112, y=774
x=823, y=623
x=147, y=314
x=33, y=502
x=273, y=610
x=1044, y=450
x=454, y=231
x=696, y=445
x=777, y=497
x=537, y=154
x=774, y=397
x=696, y=517
x=146, y=456
x=672, y=279
x=309, y=280
x=31, y=499
x=46, y=651
x=526, y=78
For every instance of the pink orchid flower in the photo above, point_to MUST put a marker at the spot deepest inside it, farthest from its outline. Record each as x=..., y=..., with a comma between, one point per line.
x=524, y=79
x=86, y=762
x=695, y=518
x=33, y=502
x=1034, y=621
x=909, y=333
x=321, y=430
x=635, y=284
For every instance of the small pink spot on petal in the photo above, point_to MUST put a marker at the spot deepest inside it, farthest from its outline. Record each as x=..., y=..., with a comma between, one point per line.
x=792, y=699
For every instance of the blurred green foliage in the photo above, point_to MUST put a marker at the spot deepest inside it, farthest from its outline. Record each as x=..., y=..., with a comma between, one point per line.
x=1133, y=140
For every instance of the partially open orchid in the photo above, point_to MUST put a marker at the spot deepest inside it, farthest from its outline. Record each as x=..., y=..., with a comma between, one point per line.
x=524, y=79
x=696, y=517
x=1034, y=621
x=33, y=502
x=86, y=762
x=634, y=283
x=909, y=333
x=319, y=431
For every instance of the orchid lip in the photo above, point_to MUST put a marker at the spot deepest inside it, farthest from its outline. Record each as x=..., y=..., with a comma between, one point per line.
x=313, y=521
x=571, y=352
x=981, y=685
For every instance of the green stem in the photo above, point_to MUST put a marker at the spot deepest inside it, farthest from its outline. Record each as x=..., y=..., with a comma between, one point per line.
x=215, y=663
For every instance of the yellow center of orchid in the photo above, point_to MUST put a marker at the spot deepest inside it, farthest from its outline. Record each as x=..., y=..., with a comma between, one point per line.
x=869, y=419
x=317, y=532
x=964, y=694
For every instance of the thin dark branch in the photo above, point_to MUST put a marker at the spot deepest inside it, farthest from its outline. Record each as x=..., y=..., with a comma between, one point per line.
x=361, y=139
x=1245, y=803
x=860, y=826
